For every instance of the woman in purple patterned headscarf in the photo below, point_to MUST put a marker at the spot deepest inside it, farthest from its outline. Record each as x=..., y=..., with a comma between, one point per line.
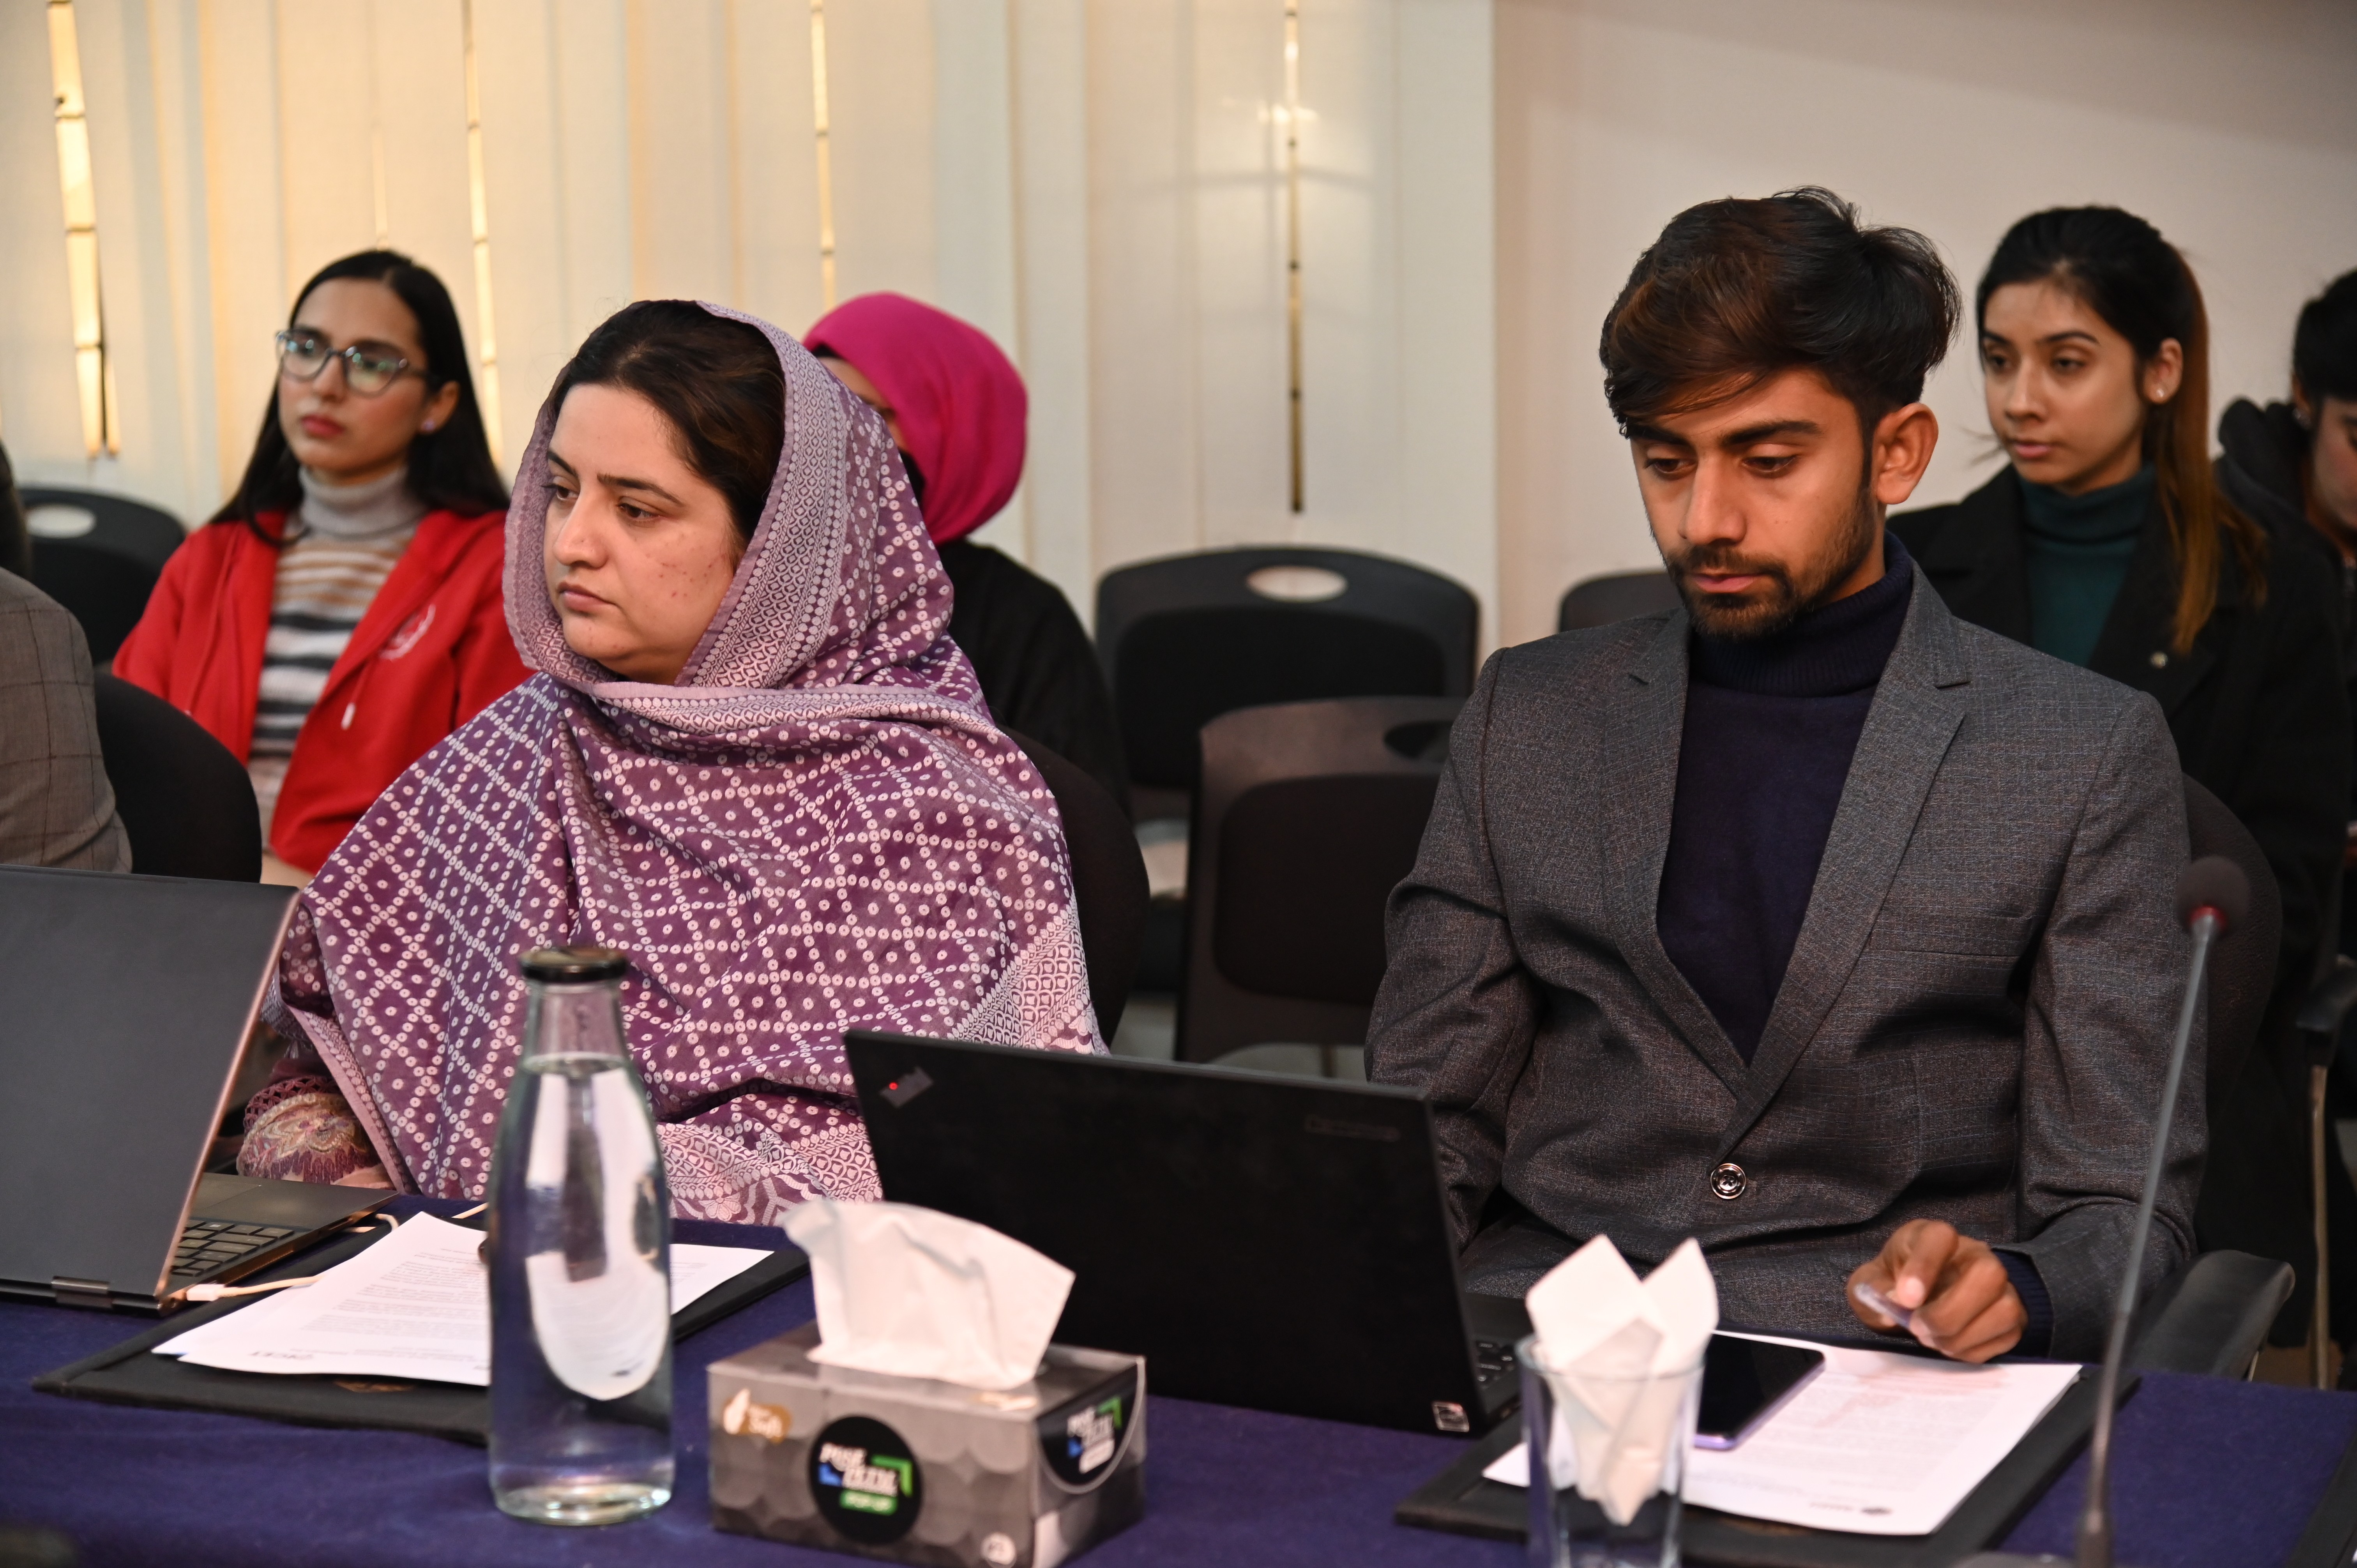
x=752, y=759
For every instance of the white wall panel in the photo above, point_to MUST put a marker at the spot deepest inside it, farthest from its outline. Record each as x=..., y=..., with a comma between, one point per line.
x=332, y=147
x=245, y=223
x=517, y=80
x=777, y=164
x=881, y=106
x=1237, y=231
x=1050, y=110
x=1446, y=507
x=1191, y=442
x=589, y=162
x=1143, y=429
x=683, y=215
x=40, y=418
x=973, y=198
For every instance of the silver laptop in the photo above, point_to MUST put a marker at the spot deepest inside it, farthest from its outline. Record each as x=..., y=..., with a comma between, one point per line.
x=125, y=1003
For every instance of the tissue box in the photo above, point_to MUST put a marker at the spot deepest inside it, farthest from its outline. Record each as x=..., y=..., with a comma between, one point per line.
x=912, y=1471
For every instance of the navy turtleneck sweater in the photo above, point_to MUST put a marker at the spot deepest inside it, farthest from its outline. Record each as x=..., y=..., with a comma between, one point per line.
x=1770, y=723
x=1771, y=727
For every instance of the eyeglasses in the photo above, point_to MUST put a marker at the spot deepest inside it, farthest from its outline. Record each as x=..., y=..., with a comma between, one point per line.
x=303, y=357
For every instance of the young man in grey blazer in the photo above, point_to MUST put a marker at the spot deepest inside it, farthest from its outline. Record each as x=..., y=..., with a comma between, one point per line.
x=1807, y=920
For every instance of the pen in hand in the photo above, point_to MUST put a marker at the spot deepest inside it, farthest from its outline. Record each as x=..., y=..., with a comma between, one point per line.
x=1876, y=1300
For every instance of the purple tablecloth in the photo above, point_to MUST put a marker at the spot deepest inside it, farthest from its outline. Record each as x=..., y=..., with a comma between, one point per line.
x=2210, y=1475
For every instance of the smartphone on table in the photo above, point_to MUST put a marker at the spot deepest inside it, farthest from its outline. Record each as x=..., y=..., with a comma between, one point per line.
x=1745, y=1382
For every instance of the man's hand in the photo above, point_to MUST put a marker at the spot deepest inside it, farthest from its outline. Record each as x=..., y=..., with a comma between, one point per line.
x=1963, y=1301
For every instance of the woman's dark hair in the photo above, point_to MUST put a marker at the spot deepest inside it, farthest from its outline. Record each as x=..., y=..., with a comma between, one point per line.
x=1735, y=291
x=2324, y=344
x=2118, y=266
x=450, y=466
x=716, y=380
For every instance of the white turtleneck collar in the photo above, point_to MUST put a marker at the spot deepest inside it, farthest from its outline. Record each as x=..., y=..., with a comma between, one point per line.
x=377, y=509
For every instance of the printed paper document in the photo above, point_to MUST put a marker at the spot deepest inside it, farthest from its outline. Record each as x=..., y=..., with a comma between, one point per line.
x=416, y=1305
x=1878, y=1444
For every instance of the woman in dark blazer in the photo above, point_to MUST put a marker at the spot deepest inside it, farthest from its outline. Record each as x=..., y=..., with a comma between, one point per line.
x=2107, y=540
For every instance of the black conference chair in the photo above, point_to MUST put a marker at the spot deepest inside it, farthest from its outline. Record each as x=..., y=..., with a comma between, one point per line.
x=1189, y=637
x=185, y=799
x=99, y=555
x=1308, y=815
x=1109, y=889
x=2213, y=1315
x=2242, y=965
x=1600, y=601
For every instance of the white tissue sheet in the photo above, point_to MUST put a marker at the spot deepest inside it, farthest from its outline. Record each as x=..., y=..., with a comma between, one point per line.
x=1624, y=1350
x=920, y=1295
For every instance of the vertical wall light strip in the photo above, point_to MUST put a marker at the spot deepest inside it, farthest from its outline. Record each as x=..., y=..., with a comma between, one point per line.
x=95, y=377
x=487, y=351
x=1293, y=244
x=825, y=162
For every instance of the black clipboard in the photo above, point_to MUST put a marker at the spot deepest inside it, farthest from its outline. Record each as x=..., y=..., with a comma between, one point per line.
x=129, y=1373
x=1461, y=1501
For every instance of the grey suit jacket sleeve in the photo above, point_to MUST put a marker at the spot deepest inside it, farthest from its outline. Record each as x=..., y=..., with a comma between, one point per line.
x=2104, y=996
x=1457, y=1011
x=56, y=805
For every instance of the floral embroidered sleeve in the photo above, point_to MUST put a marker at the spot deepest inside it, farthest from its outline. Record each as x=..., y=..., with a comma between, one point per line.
x=299, y=1128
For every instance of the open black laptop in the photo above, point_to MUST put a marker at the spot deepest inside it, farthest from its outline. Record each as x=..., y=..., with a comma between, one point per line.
x=125, y=1005
x=1274, y=1242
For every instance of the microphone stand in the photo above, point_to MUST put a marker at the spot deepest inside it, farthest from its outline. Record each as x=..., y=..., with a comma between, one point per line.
x=2207, y=922
x=2095, y=1519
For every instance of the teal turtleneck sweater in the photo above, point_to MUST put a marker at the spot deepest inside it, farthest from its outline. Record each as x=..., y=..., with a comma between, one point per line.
x=2079, y=548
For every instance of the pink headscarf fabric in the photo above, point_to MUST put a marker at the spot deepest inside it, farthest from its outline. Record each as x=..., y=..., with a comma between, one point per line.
x=961, y=405
x=818, y=829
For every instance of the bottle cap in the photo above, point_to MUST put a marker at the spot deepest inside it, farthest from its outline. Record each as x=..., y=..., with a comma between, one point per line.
x=574, y=965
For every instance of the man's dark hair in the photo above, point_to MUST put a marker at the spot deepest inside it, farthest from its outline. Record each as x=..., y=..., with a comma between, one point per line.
x=716, y=380
x=2324, y=345
x=1735, y=291
x=450, y=468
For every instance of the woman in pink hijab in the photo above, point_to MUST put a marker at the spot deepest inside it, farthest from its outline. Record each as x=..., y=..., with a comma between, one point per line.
x=955, y=408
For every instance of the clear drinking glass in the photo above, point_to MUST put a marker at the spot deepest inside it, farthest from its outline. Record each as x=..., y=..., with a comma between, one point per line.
x=580, y=1264
x=1634, y=1433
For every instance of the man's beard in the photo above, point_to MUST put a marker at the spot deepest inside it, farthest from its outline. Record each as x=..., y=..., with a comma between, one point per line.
x=1784, y=593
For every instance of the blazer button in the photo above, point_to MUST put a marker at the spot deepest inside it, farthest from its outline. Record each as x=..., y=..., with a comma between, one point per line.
x=1730, y=1182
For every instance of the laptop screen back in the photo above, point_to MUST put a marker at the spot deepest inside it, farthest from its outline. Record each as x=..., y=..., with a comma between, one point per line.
x=123, y=1002
x=1276, y=1242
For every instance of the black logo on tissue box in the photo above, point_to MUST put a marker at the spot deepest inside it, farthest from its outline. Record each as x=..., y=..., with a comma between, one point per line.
x=866, y=1480
x=1081, y=1440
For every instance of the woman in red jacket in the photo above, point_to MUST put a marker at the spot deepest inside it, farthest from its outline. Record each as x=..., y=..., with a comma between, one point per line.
x=342, y=613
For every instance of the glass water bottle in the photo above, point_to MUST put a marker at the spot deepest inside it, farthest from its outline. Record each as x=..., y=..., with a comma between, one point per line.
x=580, y=1261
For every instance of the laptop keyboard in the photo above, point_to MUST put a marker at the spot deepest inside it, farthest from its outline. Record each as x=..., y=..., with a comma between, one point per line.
x=210, y=1245
x=1492, y=1359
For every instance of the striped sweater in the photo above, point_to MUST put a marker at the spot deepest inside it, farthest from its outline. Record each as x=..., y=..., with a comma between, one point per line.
x=345, y=542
